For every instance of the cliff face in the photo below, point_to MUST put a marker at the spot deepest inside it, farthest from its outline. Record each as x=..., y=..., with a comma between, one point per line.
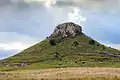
x=66, y=30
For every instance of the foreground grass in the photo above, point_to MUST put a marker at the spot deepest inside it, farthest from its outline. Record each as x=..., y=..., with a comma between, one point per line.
x=63, y=74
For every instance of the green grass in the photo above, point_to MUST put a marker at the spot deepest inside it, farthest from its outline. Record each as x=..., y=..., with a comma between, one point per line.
x=69, y=54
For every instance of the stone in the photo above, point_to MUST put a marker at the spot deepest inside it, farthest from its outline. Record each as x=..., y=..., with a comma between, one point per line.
x=65, y=30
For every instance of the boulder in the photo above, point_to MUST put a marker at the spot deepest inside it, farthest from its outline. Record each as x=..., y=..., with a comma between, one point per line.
x=65, y=30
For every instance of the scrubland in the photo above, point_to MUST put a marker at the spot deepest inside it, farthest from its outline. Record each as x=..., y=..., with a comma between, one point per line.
x=63, y=74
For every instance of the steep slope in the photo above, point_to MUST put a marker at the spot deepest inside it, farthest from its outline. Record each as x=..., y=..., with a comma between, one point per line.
x=67, y=47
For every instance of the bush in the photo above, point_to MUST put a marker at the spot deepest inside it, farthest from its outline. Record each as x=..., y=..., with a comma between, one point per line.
x=65, y=61
x=57, y=53
x=52, y=42
x=98, y=44
x=83, y=62
x=92, y=42
x=47, y=37
x=109, y=47
x=75, y=61
x=103, y=47
x=75, y=43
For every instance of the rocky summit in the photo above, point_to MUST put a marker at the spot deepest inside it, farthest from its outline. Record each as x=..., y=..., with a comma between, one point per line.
x=64, y=30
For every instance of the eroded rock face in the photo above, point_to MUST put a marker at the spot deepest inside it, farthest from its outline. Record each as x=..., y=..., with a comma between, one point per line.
x=66, y=30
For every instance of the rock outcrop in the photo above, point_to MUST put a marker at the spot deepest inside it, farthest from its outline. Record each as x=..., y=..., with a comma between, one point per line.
x=65, y=30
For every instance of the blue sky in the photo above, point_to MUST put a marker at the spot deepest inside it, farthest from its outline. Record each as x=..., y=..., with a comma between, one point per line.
x=27, y=22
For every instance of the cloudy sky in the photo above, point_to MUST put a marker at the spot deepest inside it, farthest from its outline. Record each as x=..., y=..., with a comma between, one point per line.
x=27, y=22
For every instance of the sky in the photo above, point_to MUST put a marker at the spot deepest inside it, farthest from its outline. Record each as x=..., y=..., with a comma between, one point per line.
x=24, y=23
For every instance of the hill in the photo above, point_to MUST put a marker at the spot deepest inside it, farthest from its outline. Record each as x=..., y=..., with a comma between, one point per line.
x=67, y=46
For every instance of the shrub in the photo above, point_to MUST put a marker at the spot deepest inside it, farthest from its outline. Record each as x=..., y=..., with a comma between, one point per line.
x=103, y=47
x=57, y=53
x=83, y=62
x=75, y=43
x=65, y=61
x=75, y=61
x=98, y=44
x=92, y=42
x=52, y=42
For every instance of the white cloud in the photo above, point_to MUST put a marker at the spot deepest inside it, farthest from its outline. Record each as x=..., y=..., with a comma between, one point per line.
x=97, y=5
x=76, y=16
x=49, y=3
x=94, y=5
x=66, y=13
x=15, y=41
x=14, y=46
x=46, y=3
x=34, y=0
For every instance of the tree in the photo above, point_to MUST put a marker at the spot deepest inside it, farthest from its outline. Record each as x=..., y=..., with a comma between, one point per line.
x=75, y=43
x=98, y=44
x=52, y=42
x=92, y=42
x=103, y=47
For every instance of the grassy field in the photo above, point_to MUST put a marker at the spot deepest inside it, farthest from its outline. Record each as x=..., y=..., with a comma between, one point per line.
x=63, y=74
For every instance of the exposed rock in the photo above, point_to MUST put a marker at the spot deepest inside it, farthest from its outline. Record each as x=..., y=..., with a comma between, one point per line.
x=66, y=30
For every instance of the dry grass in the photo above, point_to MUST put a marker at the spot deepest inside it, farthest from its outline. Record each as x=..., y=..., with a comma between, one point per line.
x=64, y=74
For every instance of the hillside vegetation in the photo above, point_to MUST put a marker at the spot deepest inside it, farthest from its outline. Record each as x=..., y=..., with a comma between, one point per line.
x=74, y=51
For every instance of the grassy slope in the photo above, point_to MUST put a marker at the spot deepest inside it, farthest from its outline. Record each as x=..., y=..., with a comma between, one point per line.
x=43, y=55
